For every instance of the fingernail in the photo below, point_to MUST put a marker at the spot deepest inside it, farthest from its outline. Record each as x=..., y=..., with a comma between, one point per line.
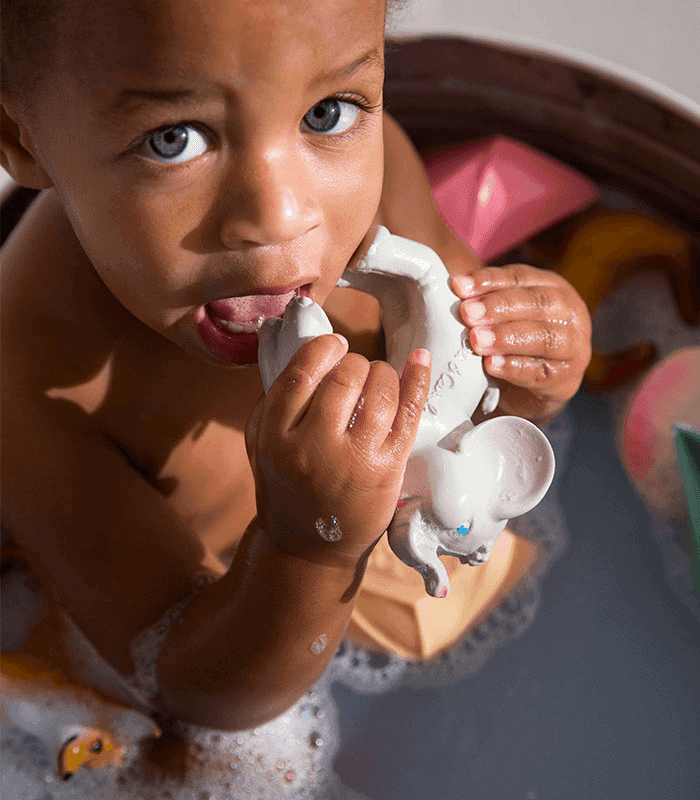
x=463, y=283
x=343, y=340
x=484, y=337
x=497, y=363
x=474, y=311
x=422, y=357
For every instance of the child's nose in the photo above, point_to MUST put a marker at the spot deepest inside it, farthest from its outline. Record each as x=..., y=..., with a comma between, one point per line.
x=270, y=200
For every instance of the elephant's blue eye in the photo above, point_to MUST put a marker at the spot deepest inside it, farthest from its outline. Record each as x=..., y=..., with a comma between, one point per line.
x=461, y=531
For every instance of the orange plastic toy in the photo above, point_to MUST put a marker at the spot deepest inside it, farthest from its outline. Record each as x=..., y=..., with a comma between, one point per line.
x=598, y=250
x=394, y=614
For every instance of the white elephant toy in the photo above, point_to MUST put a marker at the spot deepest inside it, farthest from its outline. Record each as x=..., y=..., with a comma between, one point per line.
x=463, y=482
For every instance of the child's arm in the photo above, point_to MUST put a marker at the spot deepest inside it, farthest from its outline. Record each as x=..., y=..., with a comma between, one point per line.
x=540, y=326
x=116, y=557
x=328, y=475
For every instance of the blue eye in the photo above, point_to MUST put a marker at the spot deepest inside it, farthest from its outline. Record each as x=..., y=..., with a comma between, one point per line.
x=177, y=144
x=331, y=116
x=463, y=530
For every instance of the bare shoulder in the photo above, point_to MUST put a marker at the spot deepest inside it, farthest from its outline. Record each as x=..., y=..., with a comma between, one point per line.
x=101, y=539
x=407, y=207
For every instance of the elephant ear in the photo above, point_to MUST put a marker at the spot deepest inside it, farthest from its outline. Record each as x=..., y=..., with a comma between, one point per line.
x=519, y=462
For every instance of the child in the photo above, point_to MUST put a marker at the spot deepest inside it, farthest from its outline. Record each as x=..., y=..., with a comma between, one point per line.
x=204, y=161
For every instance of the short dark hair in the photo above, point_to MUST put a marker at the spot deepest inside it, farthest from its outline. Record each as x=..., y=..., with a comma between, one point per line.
x=28, y=33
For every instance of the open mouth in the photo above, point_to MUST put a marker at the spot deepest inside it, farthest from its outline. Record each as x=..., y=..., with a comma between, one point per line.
x=246, y=314
x=229, y=326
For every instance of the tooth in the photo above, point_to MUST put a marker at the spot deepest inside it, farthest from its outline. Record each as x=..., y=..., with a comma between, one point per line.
x=231, y=326
x=235, y=327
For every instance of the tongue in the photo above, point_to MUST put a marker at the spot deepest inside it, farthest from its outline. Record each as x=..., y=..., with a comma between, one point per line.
x=249, y=309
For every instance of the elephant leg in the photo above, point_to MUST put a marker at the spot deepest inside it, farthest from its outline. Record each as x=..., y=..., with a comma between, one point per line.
x=416, y=544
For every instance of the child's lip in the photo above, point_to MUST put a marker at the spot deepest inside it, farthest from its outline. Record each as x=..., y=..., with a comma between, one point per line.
x=246, y=313
x=228, y=327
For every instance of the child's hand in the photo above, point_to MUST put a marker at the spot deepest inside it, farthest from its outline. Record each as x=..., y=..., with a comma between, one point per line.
x=534, y=332
x=328, y=446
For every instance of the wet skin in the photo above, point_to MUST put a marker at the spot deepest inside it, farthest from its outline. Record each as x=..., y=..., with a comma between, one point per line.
x=129, y=421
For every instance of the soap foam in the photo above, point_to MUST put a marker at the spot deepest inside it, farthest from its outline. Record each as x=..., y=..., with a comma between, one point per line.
x=289, y=757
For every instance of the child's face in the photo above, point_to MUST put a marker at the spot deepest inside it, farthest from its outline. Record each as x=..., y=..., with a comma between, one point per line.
x=265, y=169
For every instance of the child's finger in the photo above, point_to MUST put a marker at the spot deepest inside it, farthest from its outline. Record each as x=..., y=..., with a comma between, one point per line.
x=251, y=429
x=529, y=372
x=489, y=279
x=526, y=302
x=335, y=399
x=413, y=392
x=375, y=412
x=290, y=394
x=539, y=338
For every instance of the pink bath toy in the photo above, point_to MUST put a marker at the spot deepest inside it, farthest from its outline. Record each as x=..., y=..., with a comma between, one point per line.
x=659, y=442
x=496, y=193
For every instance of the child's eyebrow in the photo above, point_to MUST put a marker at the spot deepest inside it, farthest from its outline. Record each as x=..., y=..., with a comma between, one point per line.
x=174, y=97
x=372, y=58
x=127, y=97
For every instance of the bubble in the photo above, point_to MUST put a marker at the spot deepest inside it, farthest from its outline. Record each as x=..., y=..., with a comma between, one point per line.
x=319, y=644
x=328, y=529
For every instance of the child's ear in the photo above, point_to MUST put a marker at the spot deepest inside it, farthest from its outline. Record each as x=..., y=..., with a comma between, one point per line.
x=17, y=155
